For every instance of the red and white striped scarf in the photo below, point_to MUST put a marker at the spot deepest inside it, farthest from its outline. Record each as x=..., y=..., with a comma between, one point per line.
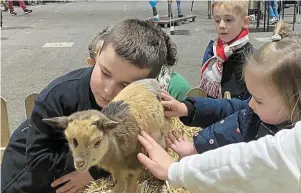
x=211, y=72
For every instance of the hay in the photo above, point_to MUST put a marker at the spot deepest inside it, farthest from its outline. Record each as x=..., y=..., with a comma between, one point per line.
x=147, y=182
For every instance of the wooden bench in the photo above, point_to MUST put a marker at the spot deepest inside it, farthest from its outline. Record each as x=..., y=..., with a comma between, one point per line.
x=4, y=126
x=198, y=92
x=5, y=133
x=29, y=103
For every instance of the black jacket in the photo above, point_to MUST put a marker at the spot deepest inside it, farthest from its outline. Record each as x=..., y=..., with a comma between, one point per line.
x=37, y=154
x=232, y=79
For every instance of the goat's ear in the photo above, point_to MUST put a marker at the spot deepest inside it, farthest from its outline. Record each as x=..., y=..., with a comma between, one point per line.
x=108, y=124
x=60, y=122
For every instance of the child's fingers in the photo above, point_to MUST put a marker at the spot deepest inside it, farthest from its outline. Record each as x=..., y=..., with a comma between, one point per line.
x=81, y=190
x=67, y=187
x=177, y=136
x=172, y=138
x=143, y=150
x=149, y=139
x=174, y=148
x=168, y=142
x=145, y=143
x=167, y=104
x=170, y=145
x=164, y=91
x=61, y=180
x=185, y=138
x=147, y=162
x=166, y=97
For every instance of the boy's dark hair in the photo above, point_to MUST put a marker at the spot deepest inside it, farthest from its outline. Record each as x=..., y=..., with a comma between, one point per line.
x=93, y=48
x=142, y=44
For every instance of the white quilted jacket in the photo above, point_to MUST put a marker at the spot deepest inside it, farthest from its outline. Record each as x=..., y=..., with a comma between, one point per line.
x=268, y=165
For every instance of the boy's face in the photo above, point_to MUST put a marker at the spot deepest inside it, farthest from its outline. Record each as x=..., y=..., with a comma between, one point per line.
x=111, y=74
x=228, y=25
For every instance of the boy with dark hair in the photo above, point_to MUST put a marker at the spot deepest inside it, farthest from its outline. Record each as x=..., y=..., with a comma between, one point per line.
x=37, y=158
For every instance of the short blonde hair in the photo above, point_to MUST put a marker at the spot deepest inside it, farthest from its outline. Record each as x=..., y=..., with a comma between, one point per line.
x=279, y=63
x=95, y=44
x=237, y=7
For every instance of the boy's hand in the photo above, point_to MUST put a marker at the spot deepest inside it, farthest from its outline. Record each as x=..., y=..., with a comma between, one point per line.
x=179, y=145
x=76, y=182
x=172, y=107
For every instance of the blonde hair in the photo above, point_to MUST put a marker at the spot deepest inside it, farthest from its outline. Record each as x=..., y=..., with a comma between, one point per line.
x=95, y=43
x=279, y=63
x=237, y=7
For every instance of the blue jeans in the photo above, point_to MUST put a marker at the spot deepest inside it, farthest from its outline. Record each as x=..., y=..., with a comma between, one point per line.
x=273, y=6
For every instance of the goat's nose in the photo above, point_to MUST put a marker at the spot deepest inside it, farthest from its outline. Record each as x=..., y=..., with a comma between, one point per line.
x=79, y=162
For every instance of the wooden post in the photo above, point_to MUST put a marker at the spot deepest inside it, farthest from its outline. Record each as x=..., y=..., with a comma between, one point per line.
x=4, y=126
x=227, y=95
x=29, y=103
x=196, y=92
x=209, y=9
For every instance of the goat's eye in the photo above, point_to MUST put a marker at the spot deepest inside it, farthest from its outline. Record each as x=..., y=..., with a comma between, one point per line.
x=96, y=145
x=75, y=143
x=94, y=123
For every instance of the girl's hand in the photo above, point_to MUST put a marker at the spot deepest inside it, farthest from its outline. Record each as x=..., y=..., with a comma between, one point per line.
x=172, y=107
x=158, y=161
x=180, y=145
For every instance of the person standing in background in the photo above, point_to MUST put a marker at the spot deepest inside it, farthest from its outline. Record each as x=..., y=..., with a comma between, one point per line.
x=4, y=5
x=156, y=15
x=273, y=9
x=21, y=3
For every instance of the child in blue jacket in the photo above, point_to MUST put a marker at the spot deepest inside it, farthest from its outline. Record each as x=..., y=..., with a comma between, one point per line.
x=272, y=76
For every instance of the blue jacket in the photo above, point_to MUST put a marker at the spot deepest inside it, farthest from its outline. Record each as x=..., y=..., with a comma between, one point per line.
x=225, y=122
x=232, y=80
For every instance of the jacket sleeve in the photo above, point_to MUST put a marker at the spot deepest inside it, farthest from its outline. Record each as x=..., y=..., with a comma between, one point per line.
x=224, y=132
x=47, y=152
x=240, y=167
x=203, y=112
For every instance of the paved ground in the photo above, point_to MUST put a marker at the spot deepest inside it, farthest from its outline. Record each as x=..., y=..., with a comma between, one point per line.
x=28, y=67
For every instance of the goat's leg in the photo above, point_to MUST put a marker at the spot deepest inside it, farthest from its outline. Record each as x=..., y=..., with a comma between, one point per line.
x=131, y=179
x=118, y=177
